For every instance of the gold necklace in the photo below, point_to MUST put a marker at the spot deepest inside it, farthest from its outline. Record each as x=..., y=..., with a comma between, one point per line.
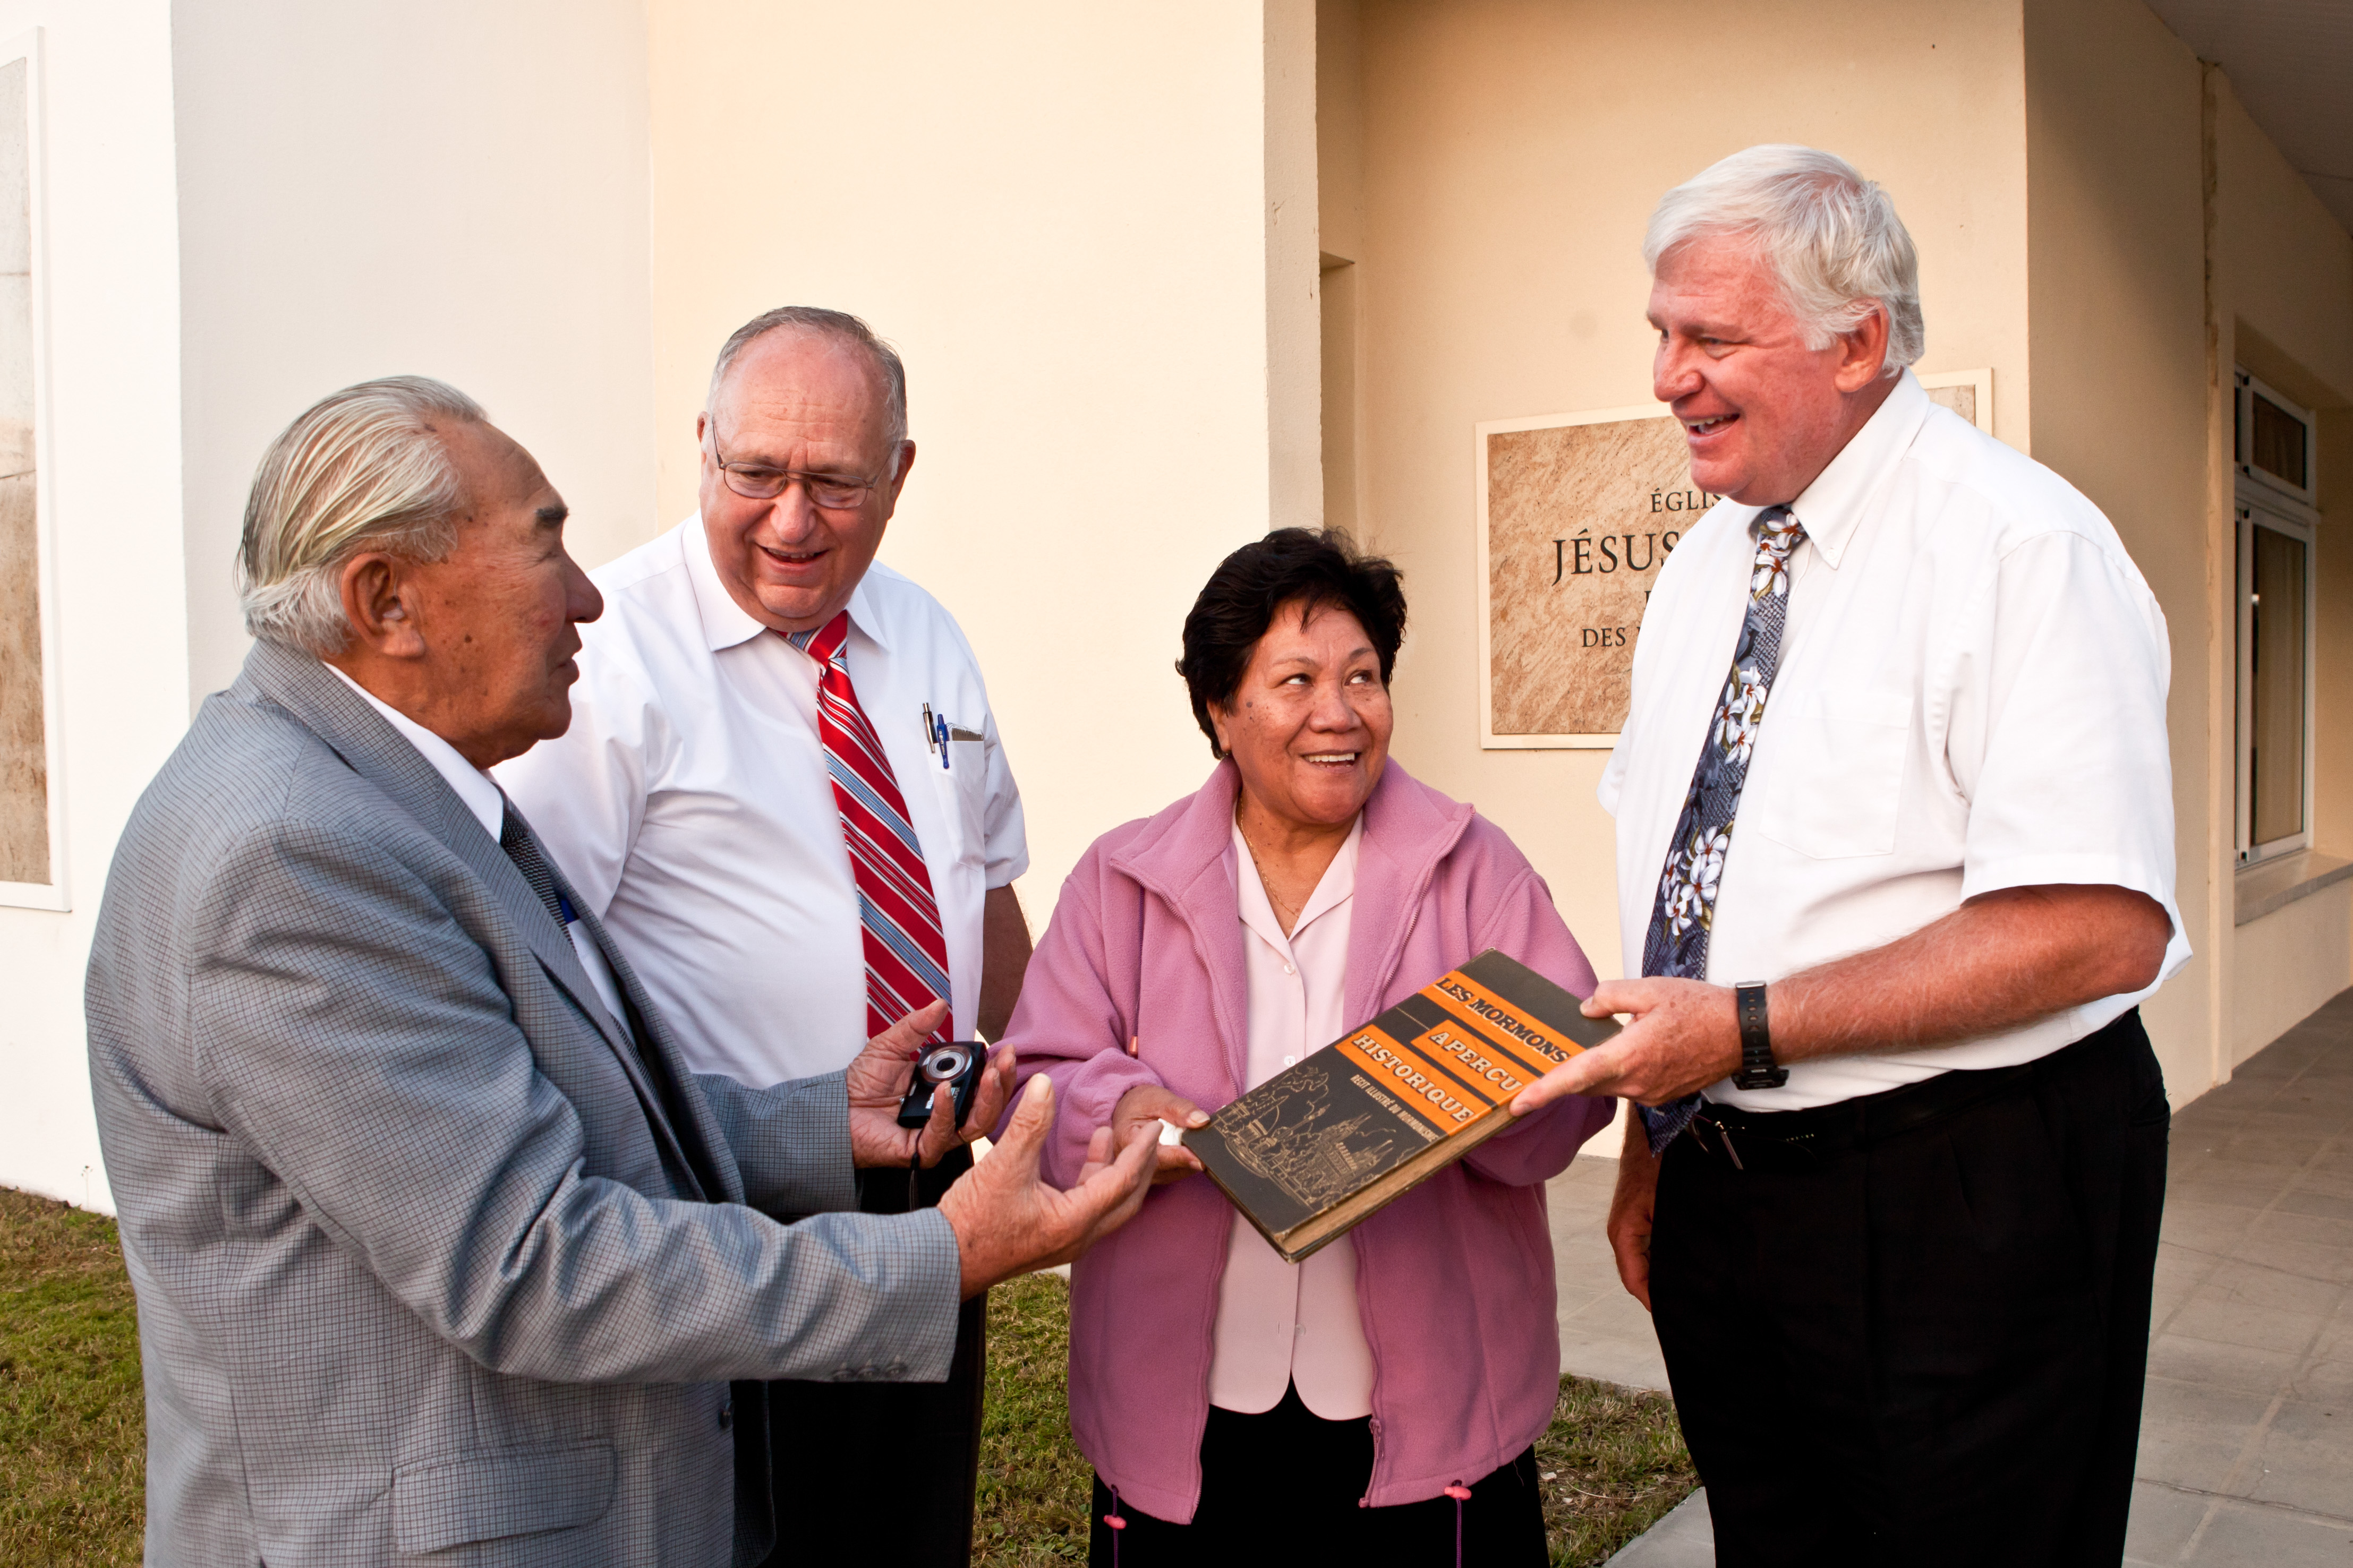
x=1266, y=887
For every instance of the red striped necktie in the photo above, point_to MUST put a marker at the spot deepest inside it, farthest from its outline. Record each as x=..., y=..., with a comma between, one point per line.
x=906, y=955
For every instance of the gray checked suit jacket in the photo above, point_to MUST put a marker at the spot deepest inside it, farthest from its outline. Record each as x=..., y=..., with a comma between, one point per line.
x=426, y=1271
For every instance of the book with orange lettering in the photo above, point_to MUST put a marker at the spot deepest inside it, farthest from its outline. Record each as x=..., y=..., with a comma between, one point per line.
x=1316, y=1148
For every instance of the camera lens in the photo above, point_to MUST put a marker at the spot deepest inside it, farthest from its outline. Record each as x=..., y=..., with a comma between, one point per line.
x=945, y=1062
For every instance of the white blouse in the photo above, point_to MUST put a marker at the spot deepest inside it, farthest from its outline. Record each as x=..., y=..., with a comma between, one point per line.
x=1280, y=1323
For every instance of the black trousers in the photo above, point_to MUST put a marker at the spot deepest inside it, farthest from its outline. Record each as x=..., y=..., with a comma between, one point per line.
x=1915, y=1333
x=1283, y=1487
x=883, y=1472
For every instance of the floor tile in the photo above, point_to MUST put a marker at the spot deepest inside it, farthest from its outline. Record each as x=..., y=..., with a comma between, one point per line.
x=2244, y=1282
x=1684, y=1538
x=2245, y=1323
x=2330, y=1264
x=2162, y=1520
x=2192, y=1435
x=2303, y=1460
x=2317, y=1229
x=2323, y=1179
x=2240, y=1369
x=2305, y=1199
x=1617, y=1314
x=2243, y=1534
x=2207, y=1224
x=2335, y=1340
x=2179, y=1270
x=1624, y=1363
x=2203, y=1200
x=2328, y=1382
x=2264, y=1156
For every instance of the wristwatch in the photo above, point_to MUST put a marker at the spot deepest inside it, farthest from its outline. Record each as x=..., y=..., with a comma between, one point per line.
x=1757, y=1069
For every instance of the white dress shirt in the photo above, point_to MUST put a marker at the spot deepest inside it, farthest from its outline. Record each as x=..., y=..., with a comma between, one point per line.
x=688, y=803
x=1280, y=1323
x=1970, y=697
x=479, y=795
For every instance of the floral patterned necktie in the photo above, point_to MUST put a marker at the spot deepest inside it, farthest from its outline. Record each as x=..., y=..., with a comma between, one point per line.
x=1685, y=913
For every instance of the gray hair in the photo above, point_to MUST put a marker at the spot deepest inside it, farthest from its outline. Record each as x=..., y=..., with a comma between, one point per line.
x=360, y=470
x=1830, y=236
x=840, y=326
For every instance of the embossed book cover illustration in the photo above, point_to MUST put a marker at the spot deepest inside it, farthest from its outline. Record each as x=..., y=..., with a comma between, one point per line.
x=1313, y=1150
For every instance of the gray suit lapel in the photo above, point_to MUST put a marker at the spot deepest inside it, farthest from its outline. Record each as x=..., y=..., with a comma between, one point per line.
x=653, y=1033
x=382, y=755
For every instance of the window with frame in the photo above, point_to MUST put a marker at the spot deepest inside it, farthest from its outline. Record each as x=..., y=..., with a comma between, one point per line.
x=2275, y=534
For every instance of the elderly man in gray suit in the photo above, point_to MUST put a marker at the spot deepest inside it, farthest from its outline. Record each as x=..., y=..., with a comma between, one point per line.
x=442, y=1255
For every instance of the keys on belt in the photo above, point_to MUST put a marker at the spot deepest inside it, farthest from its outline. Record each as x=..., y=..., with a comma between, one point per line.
x=1753, y=1150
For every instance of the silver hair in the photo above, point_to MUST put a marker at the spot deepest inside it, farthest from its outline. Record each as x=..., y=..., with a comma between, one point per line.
x=360, y=470
x=1830, y=236
x=840, y=326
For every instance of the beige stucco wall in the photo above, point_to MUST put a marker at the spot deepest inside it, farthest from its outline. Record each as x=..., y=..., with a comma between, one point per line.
x=2332, y=817
x=450, y=189
x=2283, y=280
x=2284, y=277
x=2278, y=964
x=1089, y=230
x=2286, y=265
x=1511, y=152
x=2117, y=320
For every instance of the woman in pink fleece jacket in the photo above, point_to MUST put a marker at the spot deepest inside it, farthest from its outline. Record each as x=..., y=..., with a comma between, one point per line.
x=1237, y=1407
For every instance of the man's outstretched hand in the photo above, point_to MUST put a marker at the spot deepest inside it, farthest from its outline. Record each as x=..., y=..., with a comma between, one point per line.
x=1007, y=1222
x=878, y=1080
x=1681, y=1036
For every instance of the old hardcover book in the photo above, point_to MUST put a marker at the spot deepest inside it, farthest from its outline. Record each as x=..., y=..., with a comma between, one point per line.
x=1313, y=1150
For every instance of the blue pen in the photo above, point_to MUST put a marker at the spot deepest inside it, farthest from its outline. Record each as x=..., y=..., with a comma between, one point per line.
x=941, y=731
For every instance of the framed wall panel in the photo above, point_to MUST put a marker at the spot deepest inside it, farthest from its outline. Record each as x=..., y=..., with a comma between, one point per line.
x=1576, y=514
x=32, y=812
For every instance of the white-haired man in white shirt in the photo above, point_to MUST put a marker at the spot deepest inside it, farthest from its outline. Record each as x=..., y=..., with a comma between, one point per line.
x=1896, y=867
x=783, y=791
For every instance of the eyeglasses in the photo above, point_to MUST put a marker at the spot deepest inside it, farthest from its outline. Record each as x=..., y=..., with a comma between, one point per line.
x=759, y=481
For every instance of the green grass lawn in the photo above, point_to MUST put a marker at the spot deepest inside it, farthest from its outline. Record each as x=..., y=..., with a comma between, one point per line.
x=72, y=1437
x=72, y=1431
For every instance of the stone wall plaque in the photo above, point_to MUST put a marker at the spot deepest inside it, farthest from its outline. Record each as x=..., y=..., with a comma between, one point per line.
x=1576, y=513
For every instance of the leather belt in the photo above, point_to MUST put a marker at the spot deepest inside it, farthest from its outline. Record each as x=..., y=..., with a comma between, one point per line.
x=1805, y=1140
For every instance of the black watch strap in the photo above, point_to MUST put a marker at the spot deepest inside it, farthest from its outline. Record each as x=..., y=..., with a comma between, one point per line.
x=1757, y=1069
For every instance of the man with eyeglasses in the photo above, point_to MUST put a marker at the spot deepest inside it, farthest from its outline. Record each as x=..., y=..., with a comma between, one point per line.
x=784, y=793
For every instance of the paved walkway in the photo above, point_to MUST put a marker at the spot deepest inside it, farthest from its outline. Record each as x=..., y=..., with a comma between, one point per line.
x=2246, y=1450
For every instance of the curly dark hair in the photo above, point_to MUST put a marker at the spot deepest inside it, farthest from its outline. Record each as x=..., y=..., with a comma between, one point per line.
x=1310, y=567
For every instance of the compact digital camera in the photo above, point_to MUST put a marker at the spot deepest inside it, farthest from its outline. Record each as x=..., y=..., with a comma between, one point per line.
x=955, y=1066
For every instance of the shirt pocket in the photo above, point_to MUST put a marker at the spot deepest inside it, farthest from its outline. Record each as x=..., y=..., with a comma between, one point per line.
x=968, y=767
x=1836, y=773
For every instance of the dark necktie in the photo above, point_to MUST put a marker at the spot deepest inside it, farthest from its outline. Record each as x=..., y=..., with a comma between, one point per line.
x=1685, y=912
x=516, y=839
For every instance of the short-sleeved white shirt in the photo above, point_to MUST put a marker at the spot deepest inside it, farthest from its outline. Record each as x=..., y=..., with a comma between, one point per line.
x=688, y=803
x=1970, y=697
